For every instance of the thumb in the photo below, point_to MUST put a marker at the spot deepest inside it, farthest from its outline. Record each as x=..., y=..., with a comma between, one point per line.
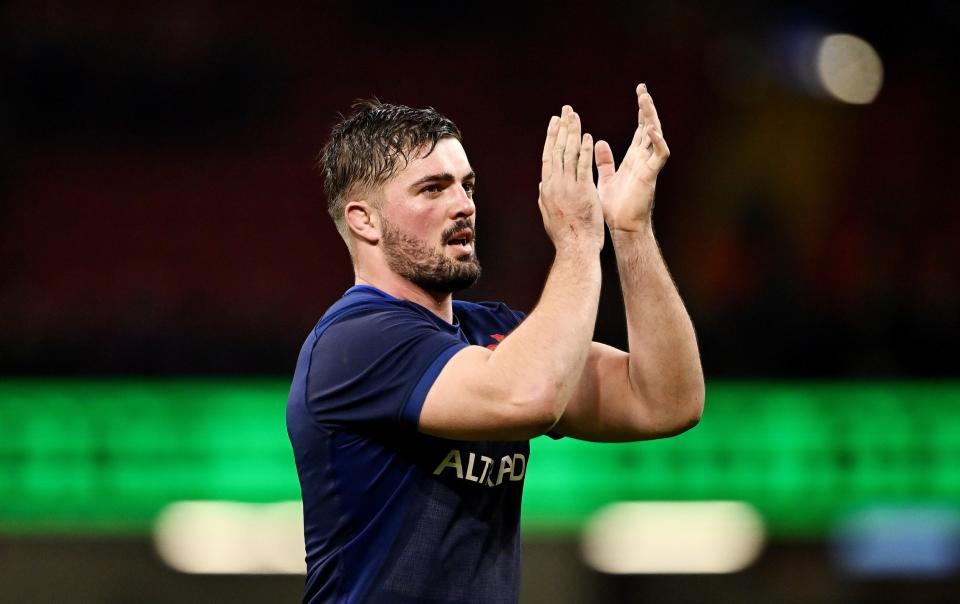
x=605, y=164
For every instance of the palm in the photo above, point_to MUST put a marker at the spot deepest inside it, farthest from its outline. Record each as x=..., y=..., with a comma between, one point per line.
x=626, y=194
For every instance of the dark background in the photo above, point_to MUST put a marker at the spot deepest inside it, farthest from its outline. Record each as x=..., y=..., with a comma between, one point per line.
x=160, y=213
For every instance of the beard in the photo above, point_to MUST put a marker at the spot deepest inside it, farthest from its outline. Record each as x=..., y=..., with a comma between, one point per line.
x=428, y=267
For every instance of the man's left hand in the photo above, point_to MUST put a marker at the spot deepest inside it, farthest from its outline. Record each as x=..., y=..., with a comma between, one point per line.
x=626, y=194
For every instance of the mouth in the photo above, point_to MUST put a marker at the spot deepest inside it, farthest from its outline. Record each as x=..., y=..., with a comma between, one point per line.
x=461, y=241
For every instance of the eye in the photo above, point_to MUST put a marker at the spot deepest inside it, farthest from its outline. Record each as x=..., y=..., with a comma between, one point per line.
x=470, y=187
x=434, y=188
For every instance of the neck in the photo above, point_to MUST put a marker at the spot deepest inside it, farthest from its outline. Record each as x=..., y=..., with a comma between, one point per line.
x=440, y=304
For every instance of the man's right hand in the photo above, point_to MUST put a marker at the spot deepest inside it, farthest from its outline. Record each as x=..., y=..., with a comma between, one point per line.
x=571, y=210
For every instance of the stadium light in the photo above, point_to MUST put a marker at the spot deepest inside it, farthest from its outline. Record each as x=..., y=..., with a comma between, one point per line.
x=226, y=537
x=671, y=537
x=849, y=68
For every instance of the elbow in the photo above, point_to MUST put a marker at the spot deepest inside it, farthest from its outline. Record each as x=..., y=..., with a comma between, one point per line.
x=688, y=418
x=695, y=399
x=689, y=407
x=680, y=410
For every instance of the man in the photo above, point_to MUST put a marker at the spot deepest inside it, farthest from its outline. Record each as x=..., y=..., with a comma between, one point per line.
x=410, y=413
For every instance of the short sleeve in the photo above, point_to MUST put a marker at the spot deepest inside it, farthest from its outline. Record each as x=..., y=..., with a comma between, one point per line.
x=377, y=366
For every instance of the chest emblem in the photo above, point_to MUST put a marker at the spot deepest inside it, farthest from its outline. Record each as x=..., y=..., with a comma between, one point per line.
x=497, y=337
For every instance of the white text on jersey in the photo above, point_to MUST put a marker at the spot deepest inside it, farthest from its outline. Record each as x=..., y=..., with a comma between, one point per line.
x=512, y=467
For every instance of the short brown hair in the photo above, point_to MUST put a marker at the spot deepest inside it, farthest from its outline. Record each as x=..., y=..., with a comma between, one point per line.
x=372, y=144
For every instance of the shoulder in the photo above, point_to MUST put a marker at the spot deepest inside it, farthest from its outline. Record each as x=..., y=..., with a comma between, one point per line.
x=367, y=308
x=490, y=310
x=376, y=323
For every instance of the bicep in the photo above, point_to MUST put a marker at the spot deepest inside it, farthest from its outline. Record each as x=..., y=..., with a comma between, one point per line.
x=469, y=401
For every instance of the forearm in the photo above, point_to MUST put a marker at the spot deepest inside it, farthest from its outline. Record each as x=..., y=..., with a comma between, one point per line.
x=552, y=343
x=664, y=362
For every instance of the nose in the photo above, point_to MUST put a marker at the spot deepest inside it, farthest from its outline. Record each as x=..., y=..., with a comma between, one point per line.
x=463, y=206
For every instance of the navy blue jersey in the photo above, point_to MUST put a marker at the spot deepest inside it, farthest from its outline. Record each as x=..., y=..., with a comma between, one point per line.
x=392, y=515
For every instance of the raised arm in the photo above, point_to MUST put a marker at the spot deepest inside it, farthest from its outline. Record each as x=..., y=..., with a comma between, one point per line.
x=657, y=388
x=522, y=388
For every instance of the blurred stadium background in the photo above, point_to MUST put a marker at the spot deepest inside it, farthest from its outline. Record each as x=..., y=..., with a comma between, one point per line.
x=164, y=248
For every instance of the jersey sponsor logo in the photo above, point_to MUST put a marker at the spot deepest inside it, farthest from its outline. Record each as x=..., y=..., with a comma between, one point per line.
x=497, y=337
x=482, y=469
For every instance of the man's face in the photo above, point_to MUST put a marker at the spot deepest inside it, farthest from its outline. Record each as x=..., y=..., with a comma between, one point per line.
x=427, y=214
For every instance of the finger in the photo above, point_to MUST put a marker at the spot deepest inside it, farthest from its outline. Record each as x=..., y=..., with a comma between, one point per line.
x=647, y=109
x=561, y=141
x=660, y=149
x=585, y=161
x=606, y=167
x=641, y=147
x=646, y=147
x=552, y=128
x=641, y=90
x=572, y=150
x=634, y=151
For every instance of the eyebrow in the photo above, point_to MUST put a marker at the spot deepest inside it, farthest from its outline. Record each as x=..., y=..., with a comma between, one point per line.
x=443, y=176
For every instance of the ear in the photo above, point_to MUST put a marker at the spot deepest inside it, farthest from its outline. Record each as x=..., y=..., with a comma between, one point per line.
x=363, y=221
